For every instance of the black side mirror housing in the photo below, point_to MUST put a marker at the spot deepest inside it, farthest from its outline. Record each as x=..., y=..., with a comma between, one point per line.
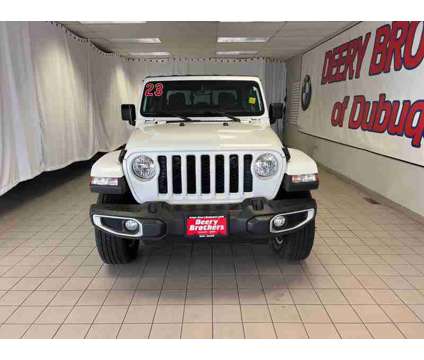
x=128, y=113
x=275, y=112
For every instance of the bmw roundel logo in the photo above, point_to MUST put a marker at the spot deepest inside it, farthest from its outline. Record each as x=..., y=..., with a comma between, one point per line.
x=306, y=92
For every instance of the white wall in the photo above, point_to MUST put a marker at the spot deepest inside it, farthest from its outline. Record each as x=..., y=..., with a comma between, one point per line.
x=396, y=180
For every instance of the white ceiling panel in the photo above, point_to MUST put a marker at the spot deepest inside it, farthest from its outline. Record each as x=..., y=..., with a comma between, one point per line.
x=199, y=39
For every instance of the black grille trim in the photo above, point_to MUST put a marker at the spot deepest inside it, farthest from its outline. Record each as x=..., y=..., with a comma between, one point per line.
x=163, y=176
x=247, y=174
x=234, y=175
x=176, y=174
x=191, y=174
x=205, y=170
x=219, y=174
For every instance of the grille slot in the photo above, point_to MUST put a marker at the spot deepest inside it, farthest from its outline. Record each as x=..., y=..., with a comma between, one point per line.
x=247, y=178
x=205, y=174
x=234, y=178
x=176, y=174
x=191, y=174
x=162, y=179
x=219, y=174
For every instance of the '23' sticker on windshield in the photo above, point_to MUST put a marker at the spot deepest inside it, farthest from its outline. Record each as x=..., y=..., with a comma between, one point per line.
x=153, y=89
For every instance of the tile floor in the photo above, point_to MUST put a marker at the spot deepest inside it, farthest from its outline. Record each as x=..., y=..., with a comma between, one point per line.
x=364, y=279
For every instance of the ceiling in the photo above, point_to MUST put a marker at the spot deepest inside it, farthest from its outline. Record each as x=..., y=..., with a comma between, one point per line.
x=199, y=39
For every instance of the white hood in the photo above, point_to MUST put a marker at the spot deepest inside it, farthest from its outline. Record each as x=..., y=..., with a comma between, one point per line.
x=203, y=136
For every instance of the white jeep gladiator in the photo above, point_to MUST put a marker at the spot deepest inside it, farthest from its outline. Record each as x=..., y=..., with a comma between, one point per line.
x=203, y=163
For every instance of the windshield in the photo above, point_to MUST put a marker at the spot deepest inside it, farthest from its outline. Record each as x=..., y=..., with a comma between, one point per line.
x=202, y=98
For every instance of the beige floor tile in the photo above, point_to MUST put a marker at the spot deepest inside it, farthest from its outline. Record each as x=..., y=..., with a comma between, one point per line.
x=103, y=331
x=384, y=331
x=7, y=283
x=145, y=297
x=353, y=331
x=39, y=298
x=140, y=314
x=347, y=282
x=342, y=314
x=196, y=331
x=41, y=331
x=225, y=297
x=169, y=314
x=322, y=282
x=165, y=331
x=72, y=331
x=28, y=284
x=199, y=297
x=331, y=296
x=226, y=313
x=12, y=331
x=418, y=310
x=290, y=331
x=54, y=315
x=119, y=297
x=400, y=313
x=134, y=331
x=259, y=331
x=372, y=282
x=25, y=315
x=278, y=296
x=410, y=297
x=304, y=296
x=371, y=313
x=252, y=296
x=64, y=298
x=53, y=284
x=321, y=331
x=228, y=331
x=82, y=315
x=255, y=313
x=5, y=312
x=111, y=314
x=412, y=330
x=93, y=297
x=224, y=282
x=385, y=296
x=358, y=296
x=172, y=297
x=197, y=314
x=313, y=314
x=13, y=297
x=284, y=313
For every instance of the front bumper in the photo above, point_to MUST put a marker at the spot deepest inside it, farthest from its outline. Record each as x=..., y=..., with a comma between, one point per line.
x=251, y=219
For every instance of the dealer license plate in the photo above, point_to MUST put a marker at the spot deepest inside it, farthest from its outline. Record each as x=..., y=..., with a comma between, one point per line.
x=207, y=226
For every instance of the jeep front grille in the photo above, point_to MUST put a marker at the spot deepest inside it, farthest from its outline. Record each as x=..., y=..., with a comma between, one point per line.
x=202, y=175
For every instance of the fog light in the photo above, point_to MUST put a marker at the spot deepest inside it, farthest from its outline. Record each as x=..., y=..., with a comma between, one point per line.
x=131, y=225
x=279, y=221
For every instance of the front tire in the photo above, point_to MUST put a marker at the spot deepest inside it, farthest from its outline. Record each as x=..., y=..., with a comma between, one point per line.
x=297, y=245
x=114, y=249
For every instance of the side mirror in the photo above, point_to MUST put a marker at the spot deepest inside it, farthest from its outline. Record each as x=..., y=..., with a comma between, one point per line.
x=275, y=112
x=128, y=113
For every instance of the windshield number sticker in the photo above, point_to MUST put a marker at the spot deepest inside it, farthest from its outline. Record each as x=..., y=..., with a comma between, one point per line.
x=153, y=89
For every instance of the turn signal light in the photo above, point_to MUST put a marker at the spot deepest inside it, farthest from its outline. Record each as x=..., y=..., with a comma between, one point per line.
x=107, y=181
x=296, y=179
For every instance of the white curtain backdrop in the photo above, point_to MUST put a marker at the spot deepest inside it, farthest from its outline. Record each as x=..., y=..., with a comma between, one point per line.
x=60, y=96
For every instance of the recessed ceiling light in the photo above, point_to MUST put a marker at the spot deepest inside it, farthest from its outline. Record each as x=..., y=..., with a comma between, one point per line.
x=110, y=22
x=152, y=53
x=242, y=39
x=155, y=40
x=241, y=52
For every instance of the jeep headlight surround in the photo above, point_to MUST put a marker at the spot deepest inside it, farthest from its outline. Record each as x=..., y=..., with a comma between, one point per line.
x=143, y=167
x=266, y=165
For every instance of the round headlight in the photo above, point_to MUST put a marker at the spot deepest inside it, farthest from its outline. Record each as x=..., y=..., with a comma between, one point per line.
x=266, y=165
x=143, y=167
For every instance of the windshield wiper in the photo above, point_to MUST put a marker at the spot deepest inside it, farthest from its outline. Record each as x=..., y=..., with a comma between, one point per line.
x=182, y=117
x=213, y=113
